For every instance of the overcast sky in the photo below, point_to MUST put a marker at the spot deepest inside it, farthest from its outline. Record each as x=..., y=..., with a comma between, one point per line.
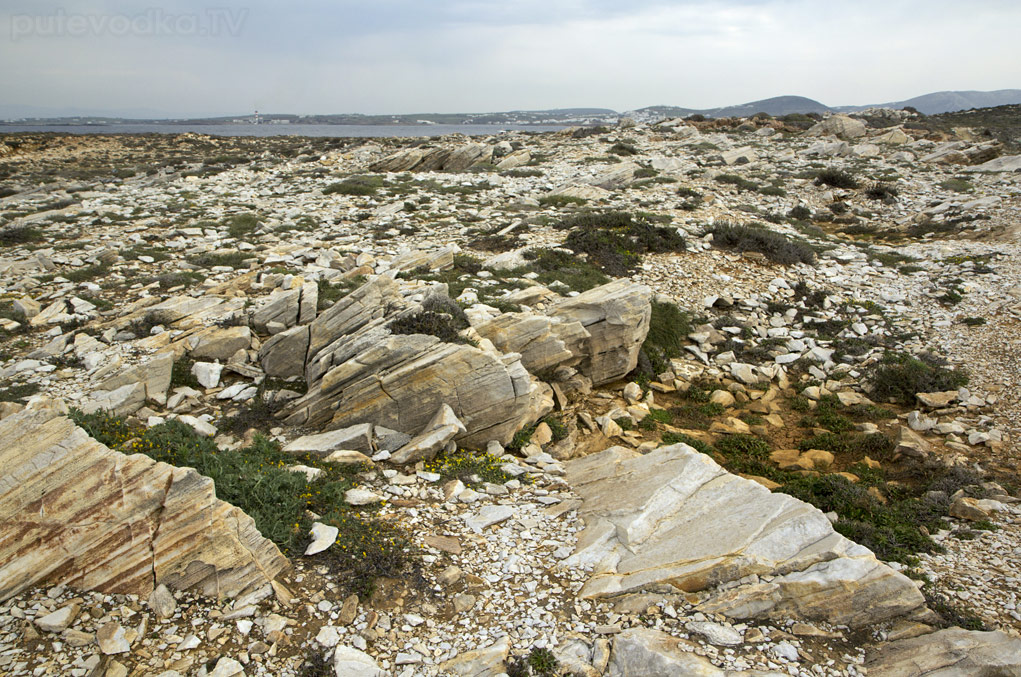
x=403, y=56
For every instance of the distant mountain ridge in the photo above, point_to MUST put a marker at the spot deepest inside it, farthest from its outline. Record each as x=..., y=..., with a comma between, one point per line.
x=949, y=102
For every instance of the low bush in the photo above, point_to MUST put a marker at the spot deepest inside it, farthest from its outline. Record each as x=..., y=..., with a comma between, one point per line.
x=836, y=178
x=440, y=317
x=615, y=241
x=899, y=377
x=355, y=185
x=15, y=235
x=739, y=181
x=623, y=149
x=257, y=481
x=669, y=327
x=881, y=191
x=561, y=200
x=240, y=225
x=558, y=265
x=777, y=247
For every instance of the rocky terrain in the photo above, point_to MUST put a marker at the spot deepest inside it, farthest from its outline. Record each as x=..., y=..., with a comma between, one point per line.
x=698, y=397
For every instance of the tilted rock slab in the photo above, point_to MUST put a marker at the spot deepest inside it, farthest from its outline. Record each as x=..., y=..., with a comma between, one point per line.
x=359, y=373
x=74, y=512
x=675, y=520
x=446, y=158
x=953, y=652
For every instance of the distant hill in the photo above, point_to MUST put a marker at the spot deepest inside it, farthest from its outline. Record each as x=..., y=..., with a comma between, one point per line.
x=778, y=105
x=948, y=102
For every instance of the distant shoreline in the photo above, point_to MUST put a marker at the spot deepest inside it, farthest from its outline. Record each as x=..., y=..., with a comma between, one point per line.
x=333, y=129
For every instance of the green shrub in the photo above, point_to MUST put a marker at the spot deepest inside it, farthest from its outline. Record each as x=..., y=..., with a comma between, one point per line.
x=522, y=172
x=234, y=260
x=891, y=531
x=881, y=191
x=735, y=180
x=561, y=200
x=240, y=225
x=15, y=235
x=557, y=265
x=836, y=178
x=256, y=480
x=669, y=327
x=440, y=317
x=669, y=438
x=776, y=191
x=777, y=247
x=852, y=444
x=12, y=392
x=957, y=185
x=473, y=468
x=355, y=185
x=615, y=241
x=899, y=377
x=623, y=149
x=800, y=213
x=974, y=321
x=543, y=663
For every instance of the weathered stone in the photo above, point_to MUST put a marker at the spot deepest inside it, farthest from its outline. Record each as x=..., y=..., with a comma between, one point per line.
x=640, y=652
x=219, y=343
x=162, y=602
x=111, y=639
x=59, y=620
x=356, y=438
x=120, y=402
x=283, y=355
x=323, y=536
x=75, y=512
x=443, y=428
x=542, y=341
x=350, y=662
x=616, y=316
x=281, y=306
x=948, y=653
x=487, y=662
x=674, y=518
x=154, y=374
x=838, y=125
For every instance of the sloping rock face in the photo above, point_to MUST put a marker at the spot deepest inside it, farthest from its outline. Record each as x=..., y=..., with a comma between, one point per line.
x=443, y=158
x=674, y=519
x=949, y=653
x=616, y=316
x=74, y=512
x=358, y=372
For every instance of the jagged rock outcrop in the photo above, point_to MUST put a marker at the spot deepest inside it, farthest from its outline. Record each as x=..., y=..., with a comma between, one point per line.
x=74, y=512
x=358, y=372
x=442, y=158
x=616, y=316
x=840, y=126
x=542, y=341
x=953, y=652
x=674, y=519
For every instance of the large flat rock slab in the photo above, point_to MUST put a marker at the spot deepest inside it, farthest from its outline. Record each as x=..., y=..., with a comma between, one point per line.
x=674, y=520
x=953, y=652
x=74, y=512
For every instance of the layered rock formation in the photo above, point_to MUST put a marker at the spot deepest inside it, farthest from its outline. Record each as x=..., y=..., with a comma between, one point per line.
x=358, y=372
x=674, y=519
x=74, y=512
x=441, y=158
